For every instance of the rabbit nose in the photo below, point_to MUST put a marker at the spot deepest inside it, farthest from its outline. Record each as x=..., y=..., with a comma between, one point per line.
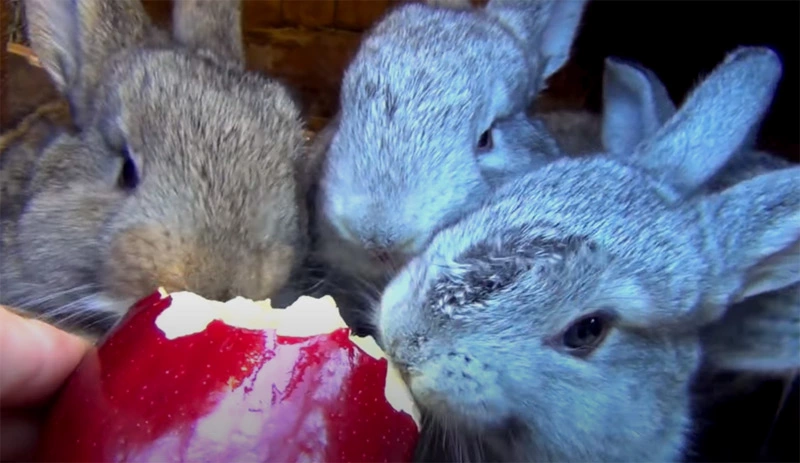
x=382, y=255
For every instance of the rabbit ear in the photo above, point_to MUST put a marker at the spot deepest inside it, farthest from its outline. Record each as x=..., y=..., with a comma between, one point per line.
x=716, y=120
x=73, y=38
x=635, y=105
x=754, y=242
x=214, y=25
x=546, y=28
x=759, y=335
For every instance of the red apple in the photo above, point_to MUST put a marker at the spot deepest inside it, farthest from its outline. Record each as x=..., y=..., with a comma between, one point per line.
x=187, y=379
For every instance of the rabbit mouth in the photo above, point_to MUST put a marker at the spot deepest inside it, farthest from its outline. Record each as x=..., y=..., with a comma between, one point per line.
x=474, y=421
x=479, y=416
x=388, y=261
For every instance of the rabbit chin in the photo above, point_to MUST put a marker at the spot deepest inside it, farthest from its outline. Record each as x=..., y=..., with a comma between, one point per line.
x=351, y=259
x=471, y=412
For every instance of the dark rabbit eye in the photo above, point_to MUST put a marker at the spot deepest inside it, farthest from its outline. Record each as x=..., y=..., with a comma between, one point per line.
x=586, y=334
x=128, y=175
x=485, y=141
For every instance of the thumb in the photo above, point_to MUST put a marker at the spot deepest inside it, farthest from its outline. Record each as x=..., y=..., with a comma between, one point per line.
x=35, y=359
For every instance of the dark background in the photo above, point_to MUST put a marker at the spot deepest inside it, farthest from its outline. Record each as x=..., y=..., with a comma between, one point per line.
x=683, y=40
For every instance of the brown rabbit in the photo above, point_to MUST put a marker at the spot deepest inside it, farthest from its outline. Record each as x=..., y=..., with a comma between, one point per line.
x=183, y=169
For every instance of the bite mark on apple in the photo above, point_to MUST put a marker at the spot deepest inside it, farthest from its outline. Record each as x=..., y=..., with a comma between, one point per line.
x=190, y=313
x=399, y=396
x=395, y=389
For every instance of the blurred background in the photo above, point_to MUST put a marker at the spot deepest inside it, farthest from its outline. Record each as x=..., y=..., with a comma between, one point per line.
x=308, y=44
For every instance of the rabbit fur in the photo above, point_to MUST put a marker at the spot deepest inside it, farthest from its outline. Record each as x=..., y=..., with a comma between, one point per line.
x=405, y=155
x=565, y=319
x=184, y=170
x=636, y=104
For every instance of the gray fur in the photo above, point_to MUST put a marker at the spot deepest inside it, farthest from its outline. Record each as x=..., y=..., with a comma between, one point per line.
x=604, y=235
x=426, y=82
x=217, y=149
x=210, y=25
x=636, y=105
x=626, y=82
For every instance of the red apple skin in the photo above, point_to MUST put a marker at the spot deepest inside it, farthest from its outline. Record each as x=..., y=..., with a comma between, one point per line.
x=225, y=395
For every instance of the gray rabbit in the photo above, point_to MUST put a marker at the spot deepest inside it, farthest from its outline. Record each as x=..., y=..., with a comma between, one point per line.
x=182, y=168
x=566, y=318
x=432, y=119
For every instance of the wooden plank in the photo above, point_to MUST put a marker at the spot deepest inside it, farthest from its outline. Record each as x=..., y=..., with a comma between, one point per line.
x=308, y=13
x=359, y=15
x=261, y=14
x=311, y=61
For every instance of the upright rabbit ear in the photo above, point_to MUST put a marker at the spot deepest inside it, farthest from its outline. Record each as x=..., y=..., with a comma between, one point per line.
x=546, y=28
x=74, y=38
x=752, y=240
x=761, y=334
x=213, y=25
x=635, y=105
x=716, y=120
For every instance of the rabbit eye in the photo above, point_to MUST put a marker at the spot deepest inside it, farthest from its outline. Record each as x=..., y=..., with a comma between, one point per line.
x=128, y=175
x=586, y=334
x=485, y=141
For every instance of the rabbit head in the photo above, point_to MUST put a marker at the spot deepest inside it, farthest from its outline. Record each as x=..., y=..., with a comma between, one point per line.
x=432, y=118
x=565, y=319
x=184, y=172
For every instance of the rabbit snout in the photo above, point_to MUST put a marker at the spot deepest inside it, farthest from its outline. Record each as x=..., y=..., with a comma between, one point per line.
x=144, y=257
x=388, y=252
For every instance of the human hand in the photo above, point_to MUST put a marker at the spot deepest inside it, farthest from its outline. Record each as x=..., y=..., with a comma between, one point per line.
x=35, y=360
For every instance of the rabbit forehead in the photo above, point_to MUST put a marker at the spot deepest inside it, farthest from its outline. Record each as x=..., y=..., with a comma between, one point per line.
x=536, y=275
x=441, y=62
x=198, y=96
x=618, y=249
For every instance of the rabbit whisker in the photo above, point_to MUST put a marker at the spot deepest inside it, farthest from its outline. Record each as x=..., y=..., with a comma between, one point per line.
x=40, y=300
x=76, y=310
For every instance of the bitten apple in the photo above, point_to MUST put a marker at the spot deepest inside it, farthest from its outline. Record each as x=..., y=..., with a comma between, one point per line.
x=183, y=378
